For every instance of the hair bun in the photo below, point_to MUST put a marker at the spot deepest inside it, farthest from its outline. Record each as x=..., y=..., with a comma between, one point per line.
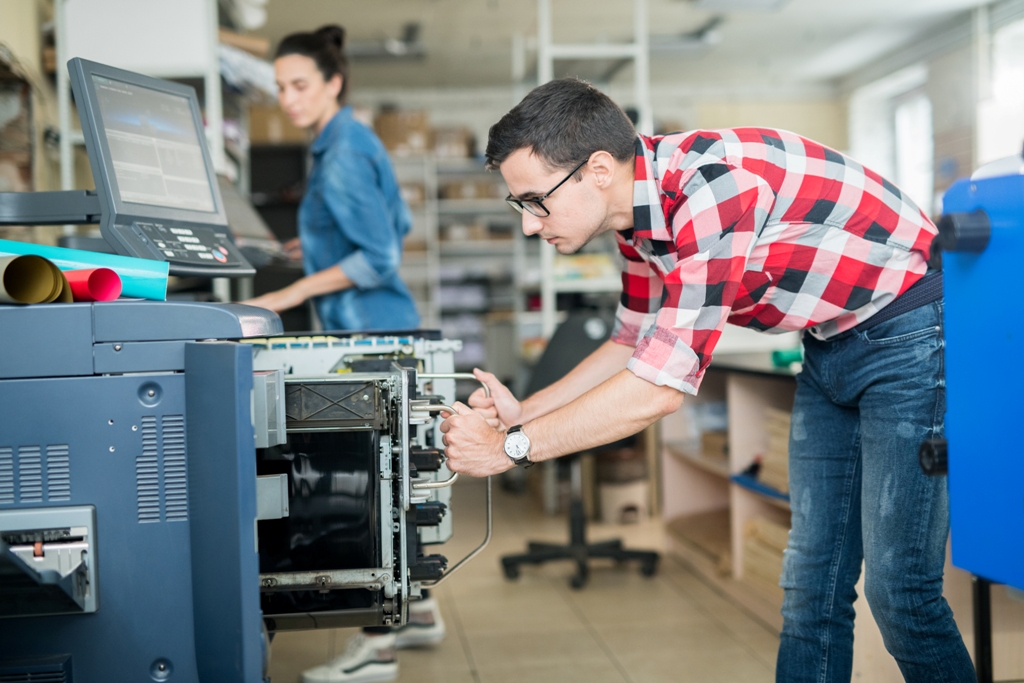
x=333, y=34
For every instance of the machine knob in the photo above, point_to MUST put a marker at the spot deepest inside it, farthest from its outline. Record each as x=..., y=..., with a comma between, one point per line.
x=965, y=231
x=933, y=457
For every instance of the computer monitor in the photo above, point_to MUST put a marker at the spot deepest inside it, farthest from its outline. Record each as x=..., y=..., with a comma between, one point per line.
x=155, y=179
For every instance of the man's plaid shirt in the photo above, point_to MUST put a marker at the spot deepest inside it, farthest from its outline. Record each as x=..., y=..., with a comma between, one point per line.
x=760, y=228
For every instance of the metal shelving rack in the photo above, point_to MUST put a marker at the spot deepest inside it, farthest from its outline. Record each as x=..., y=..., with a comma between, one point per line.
x=547, y=53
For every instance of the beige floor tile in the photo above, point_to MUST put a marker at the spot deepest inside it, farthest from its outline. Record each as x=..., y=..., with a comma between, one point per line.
x=622, y=597
x=686, y=638
x=740, y=670
x=292, y=652
x=577, y=672
x=491, y=651
x=668, y=668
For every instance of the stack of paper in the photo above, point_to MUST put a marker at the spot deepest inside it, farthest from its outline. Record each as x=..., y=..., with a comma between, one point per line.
x=763, y=544
x=775, y=462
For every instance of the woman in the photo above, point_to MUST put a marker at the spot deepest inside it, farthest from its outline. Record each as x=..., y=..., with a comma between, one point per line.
x=351, y=224
x=352, y=218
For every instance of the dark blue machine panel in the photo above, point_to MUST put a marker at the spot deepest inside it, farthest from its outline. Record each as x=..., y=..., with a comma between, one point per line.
x=126, y=454
x=984, y=375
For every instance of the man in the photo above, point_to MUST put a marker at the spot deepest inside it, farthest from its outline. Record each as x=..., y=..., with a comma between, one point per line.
x=764, y=229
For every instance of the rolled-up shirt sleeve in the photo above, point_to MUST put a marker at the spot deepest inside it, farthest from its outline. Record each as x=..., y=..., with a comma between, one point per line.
x=357, y=204
x=717, y=214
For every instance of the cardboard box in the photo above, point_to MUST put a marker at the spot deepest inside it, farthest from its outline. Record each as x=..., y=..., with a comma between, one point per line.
x=405, y=133
x=470, y=189
x=413, y=193
x=270, y=125
x=715, y=445
x=454, y=143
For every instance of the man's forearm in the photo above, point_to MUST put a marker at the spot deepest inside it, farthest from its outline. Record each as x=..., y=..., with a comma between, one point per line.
x=609, y=359
x=620, y=407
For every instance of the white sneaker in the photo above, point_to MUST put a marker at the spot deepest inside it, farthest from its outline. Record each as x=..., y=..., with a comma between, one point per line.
x=368, y=658
x=425, y=625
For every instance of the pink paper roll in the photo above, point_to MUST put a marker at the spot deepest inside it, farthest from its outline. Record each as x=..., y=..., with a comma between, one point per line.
x=95, y=284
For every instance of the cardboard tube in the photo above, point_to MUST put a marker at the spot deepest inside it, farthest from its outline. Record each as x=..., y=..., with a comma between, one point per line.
x=96, y=284
x=62, y=290
x=27, y=280
x=65, y=296
x=140, y=278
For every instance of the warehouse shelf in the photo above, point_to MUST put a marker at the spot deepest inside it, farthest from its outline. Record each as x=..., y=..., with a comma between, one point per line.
x=493, y=247
x=587, y=285
x=711, y=464
x=474, y=206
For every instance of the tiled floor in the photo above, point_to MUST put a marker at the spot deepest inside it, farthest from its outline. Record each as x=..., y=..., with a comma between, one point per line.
x=621, y=628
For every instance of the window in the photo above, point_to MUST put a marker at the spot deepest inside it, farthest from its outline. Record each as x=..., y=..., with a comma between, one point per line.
x=1001, y=117
x=891, y=132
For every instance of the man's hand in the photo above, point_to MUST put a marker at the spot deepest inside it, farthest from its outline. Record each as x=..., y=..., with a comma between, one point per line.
x=500, y=409
x=473, y=446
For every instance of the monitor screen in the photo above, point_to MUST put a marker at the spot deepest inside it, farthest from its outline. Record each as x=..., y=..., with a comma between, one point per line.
x=154, y=146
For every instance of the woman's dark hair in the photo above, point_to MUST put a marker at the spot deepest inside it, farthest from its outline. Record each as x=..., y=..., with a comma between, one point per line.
x=326, y=47
x=563, y=122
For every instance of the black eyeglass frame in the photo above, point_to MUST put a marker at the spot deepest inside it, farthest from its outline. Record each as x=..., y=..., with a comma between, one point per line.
x=525, y=204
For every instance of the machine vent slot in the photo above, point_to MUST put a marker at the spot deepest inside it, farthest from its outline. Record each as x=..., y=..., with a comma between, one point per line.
x=147, y=473
x=30, y=474
x=6, y=476
x=58, y=473
x=46, y=670
x=175, y=476
x=31, y=677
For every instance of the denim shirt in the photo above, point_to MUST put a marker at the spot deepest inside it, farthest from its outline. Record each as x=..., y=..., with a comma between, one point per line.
x=353, y=216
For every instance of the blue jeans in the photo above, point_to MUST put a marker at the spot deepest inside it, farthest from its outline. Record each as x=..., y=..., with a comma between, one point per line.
x=864, y=403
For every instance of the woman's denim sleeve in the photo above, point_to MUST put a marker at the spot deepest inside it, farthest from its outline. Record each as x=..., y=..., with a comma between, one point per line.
x=359, y=208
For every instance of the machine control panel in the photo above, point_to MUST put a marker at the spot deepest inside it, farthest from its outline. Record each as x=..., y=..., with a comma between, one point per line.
x=195, y=245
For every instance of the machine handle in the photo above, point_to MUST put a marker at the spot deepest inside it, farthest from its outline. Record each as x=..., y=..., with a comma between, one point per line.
x=427, y=485
x=474, y=553
x=966, y=232
x=455, y=375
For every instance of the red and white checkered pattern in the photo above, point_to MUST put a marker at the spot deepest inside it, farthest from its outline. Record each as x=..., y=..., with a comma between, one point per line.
x=760, y=228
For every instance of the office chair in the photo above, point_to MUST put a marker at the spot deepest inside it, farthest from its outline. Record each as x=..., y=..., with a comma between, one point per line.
x=581, y=334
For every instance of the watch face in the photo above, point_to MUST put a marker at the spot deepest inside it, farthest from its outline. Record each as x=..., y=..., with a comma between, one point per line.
x=517, y=445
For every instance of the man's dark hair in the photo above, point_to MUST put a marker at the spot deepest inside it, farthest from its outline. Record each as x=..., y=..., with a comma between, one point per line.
x=326, y=47
x=563, y=122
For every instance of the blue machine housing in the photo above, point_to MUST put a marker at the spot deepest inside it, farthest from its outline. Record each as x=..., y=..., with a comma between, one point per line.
x=158, y=442
x=984, y=374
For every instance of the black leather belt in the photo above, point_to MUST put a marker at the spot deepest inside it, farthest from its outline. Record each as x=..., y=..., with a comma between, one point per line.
x=924, y=291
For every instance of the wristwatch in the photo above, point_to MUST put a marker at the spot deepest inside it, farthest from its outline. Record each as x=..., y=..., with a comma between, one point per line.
x=517, y=446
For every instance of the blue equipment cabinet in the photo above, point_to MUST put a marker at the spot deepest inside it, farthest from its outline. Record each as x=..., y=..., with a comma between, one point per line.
x=982, y=234
x=126, y=463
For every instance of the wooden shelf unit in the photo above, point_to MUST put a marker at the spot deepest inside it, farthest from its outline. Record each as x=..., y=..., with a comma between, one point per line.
x=694, y=490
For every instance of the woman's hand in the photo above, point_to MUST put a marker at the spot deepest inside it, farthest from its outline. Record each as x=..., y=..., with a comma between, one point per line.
x=293, y=249
x=500, y=409
x=278, y=301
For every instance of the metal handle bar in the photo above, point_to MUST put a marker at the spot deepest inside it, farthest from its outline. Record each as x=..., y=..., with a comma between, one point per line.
x=479, y=548
x=454, y=375
x=436, y=484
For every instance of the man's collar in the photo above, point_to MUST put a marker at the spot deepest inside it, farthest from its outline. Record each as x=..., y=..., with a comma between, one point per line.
x=330, y=132
x=648, y=216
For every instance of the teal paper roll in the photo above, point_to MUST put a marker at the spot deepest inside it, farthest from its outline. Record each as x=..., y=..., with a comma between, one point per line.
x=140, y=278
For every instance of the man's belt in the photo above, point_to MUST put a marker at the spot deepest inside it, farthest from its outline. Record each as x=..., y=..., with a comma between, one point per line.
x=924, y=291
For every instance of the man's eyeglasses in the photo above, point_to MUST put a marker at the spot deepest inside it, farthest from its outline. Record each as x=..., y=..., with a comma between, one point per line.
x=536, y=205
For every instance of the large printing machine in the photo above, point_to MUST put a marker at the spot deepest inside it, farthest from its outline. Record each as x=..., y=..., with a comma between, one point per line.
x=982, y=239
x=176, y=479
